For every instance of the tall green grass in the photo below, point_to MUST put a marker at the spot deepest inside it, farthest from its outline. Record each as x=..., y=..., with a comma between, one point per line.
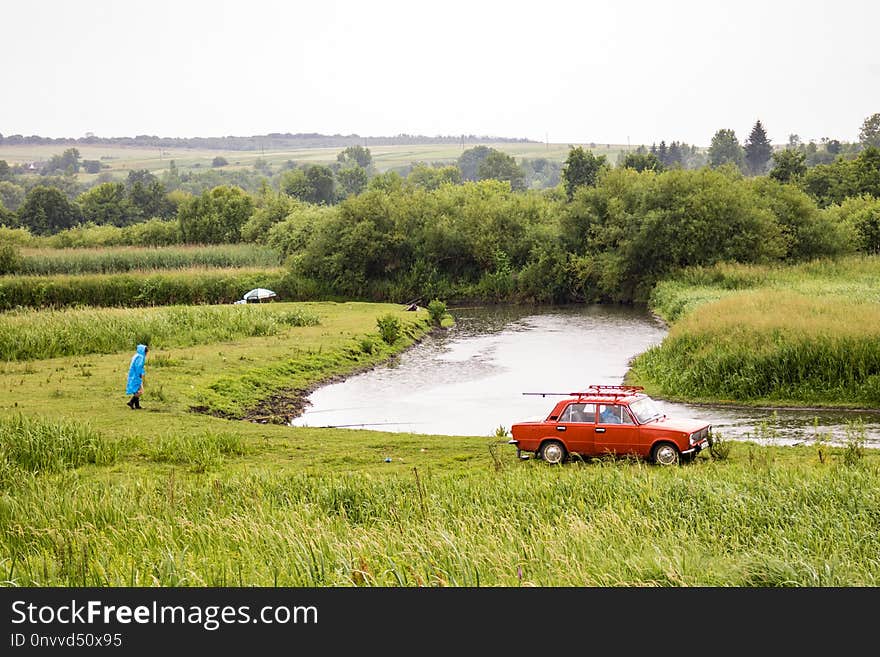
x=35, y=444
x=29, y=334
x=44, y=262
x=856, y=277
x=197, y=451
x=741, y=522
x=139, y=289
x=807, y=335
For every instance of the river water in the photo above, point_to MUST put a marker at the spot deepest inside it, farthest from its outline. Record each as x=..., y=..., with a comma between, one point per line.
x=470, y=380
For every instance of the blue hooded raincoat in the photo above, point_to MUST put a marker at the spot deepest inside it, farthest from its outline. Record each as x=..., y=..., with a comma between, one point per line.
x=136, y=370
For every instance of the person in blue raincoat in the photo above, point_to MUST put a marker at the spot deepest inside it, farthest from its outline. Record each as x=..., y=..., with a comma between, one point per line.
x=135, y=384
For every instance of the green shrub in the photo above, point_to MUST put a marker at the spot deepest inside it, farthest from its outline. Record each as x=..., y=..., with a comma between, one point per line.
x=719, y=447
x=437, y=310
x=10, y=259
x=389, y=328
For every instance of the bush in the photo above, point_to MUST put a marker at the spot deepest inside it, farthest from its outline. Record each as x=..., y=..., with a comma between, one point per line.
x=389, y=328
x=437, y=310
x=719, y=447
x=10, y=259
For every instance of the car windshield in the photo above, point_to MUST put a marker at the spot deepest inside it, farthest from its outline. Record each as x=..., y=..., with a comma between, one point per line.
x=645, y=410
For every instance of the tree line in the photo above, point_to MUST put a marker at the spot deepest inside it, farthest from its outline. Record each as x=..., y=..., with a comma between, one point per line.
x=473, y=230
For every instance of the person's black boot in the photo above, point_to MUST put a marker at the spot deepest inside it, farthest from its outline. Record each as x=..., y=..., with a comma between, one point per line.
x=131, y=402
x=137, y=402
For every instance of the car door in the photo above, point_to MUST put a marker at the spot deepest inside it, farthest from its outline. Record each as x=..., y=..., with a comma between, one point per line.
x=616, y=431
x=575, y=427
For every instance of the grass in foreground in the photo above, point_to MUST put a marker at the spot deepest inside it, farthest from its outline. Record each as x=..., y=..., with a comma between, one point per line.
x=762, y=517
x=94, y=494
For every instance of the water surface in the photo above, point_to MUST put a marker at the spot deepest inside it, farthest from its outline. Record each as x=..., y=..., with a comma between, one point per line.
x=469, y=380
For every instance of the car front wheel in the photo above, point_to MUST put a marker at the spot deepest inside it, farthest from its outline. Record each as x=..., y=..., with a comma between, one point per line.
x=665, y=454
x=553, y=452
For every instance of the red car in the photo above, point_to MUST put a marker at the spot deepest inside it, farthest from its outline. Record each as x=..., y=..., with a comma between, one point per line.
x=610, y=420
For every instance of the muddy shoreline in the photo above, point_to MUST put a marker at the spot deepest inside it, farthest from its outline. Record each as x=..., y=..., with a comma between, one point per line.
x=289, y=403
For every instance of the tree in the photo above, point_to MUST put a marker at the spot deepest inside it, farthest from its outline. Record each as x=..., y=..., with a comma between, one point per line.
x=788, y=165
x=758, y=149
x=11, y=195
x=5, y=171
x=431, y=178
x=642, y=162
x=106, y=204
x=313, y=184
x=469, y=161
x=725, y=149
x=352, y=180
x=674, y=157
x=46, y=210
x=581, y=169
x=271, y=209
x=500, y=166
x=215, y=217
x=869, y=135
x=147, y=196
x=219, y=161
x=388, y=182
x=67, y=162
x=356, y=155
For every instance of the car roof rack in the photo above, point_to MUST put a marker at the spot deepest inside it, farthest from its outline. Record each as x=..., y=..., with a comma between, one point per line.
x=596, y=391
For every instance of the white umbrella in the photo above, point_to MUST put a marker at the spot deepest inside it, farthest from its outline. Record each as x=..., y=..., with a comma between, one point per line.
x=259, y=294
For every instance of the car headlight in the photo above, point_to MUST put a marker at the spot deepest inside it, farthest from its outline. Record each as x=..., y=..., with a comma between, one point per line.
x=698, y=436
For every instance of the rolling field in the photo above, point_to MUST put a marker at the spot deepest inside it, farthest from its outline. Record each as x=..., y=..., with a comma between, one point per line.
x=121, y=159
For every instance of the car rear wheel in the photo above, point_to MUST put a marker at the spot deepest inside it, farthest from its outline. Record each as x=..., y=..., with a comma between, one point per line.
x=553, y=452
x=665, y=454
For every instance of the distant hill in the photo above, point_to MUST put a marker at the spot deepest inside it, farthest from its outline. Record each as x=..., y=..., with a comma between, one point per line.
x=272, y=141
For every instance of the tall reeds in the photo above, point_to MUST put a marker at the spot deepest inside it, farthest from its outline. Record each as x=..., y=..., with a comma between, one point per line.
x=143, y=288
x=109, y=260
x=771, y=344
x=36, y=334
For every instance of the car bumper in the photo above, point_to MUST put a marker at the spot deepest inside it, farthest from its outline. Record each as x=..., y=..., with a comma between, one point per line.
x=699, y=447
x=519, y=453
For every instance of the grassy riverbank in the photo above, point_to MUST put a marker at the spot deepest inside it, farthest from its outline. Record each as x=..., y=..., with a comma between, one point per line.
x=806, y=335
x=94, y=494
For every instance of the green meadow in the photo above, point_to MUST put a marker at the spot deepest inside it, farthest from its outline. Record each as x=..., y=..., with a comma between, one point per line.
x=207, y=485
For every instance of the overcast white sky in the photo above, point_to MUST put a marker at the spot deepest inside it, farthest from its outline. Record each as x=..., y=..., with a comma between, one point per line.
x=612, y=71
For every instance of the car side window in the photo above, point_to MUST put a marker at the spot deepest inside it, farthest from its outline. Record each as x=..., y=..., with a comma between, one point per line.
x=614, y=414
x=578, y=412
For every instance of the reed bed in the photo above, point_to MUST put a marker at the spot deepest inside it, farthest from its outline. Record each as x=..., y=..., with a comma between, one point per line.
x=28, y=334
x=196, y=285
x=740, y=522
x=856, y=277
x=771, y=345
x=46, y=262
